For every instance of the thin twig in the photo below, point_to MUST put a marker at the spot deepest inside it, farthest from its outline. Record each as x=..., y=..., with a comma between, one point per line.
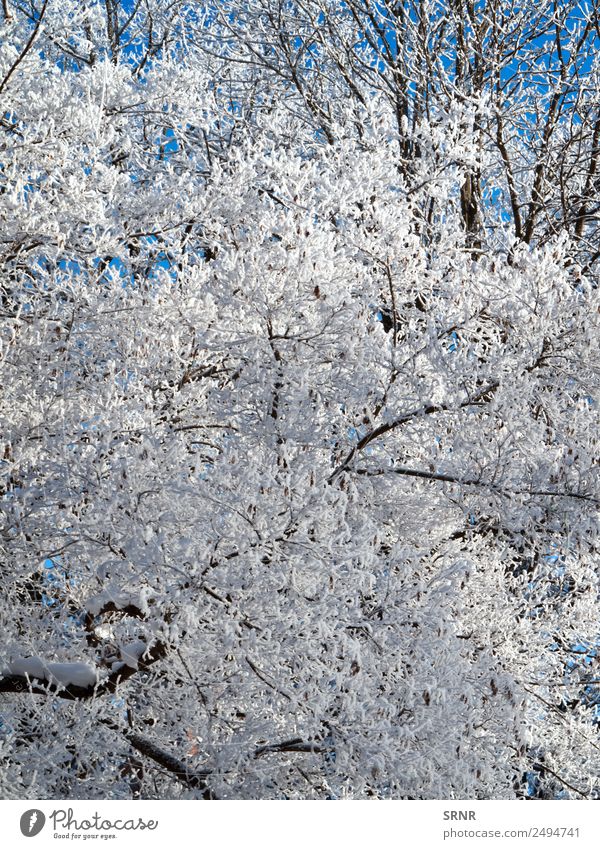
x=26, y=49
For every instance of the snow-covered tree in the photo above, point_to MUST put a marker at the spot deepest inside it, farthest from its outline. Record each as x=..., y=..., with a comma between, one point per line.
x=299, y=462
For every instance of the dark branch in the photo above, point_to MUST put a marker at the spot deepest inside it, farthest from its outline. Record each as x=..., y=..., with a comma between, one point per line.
x=482, y=395
x=196, y=779
x=444, y=478
x=40, y=686
x=25, y=50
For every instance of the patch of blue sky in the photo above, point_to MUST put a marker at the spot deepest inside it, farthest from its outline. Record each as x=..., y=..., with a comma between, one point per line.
x=533, y=783
x=497, y=198
x=167, y=144
x=91, y=424
x=453, y=342
x=207, y=469
x=48, y=601
x=551, y=558
x=356, y=433
x=54, y=572
x=588, y=651
x=114, y=270
x=55, y=580
x=125, y=378
x=77, y=619
x=162, y=262
x=119, y=705
x=29, y=188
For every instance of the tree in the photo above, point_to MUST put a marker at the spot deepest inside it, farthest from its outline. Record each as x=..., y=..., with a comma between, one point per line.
x=299, y=432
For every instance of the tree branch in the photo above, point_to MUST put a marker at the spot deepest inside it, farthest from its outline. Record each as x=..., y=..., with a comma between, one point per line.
x=19, y=684
x=427, y=410
x=445, y=478
x=25, y=50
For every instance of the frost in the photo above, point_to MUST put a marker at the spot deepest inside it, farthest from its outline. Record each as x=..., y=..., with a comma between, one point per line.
x=299, y=321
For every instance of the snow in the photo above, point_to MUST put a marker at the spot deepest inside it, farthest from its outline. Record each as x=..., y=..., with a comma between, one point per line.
x=73, y=674
x=32, y=666
x=61, y=674
x=132, y=652
x=120, y=598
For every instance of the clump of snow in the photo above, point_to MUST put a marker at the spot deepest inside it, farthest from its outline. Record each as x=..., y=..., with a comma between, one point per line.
x=58, y=674
x=132, y=652
x=120, y=598
x=73, y=674
x=104, y=632
x=32, y=666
